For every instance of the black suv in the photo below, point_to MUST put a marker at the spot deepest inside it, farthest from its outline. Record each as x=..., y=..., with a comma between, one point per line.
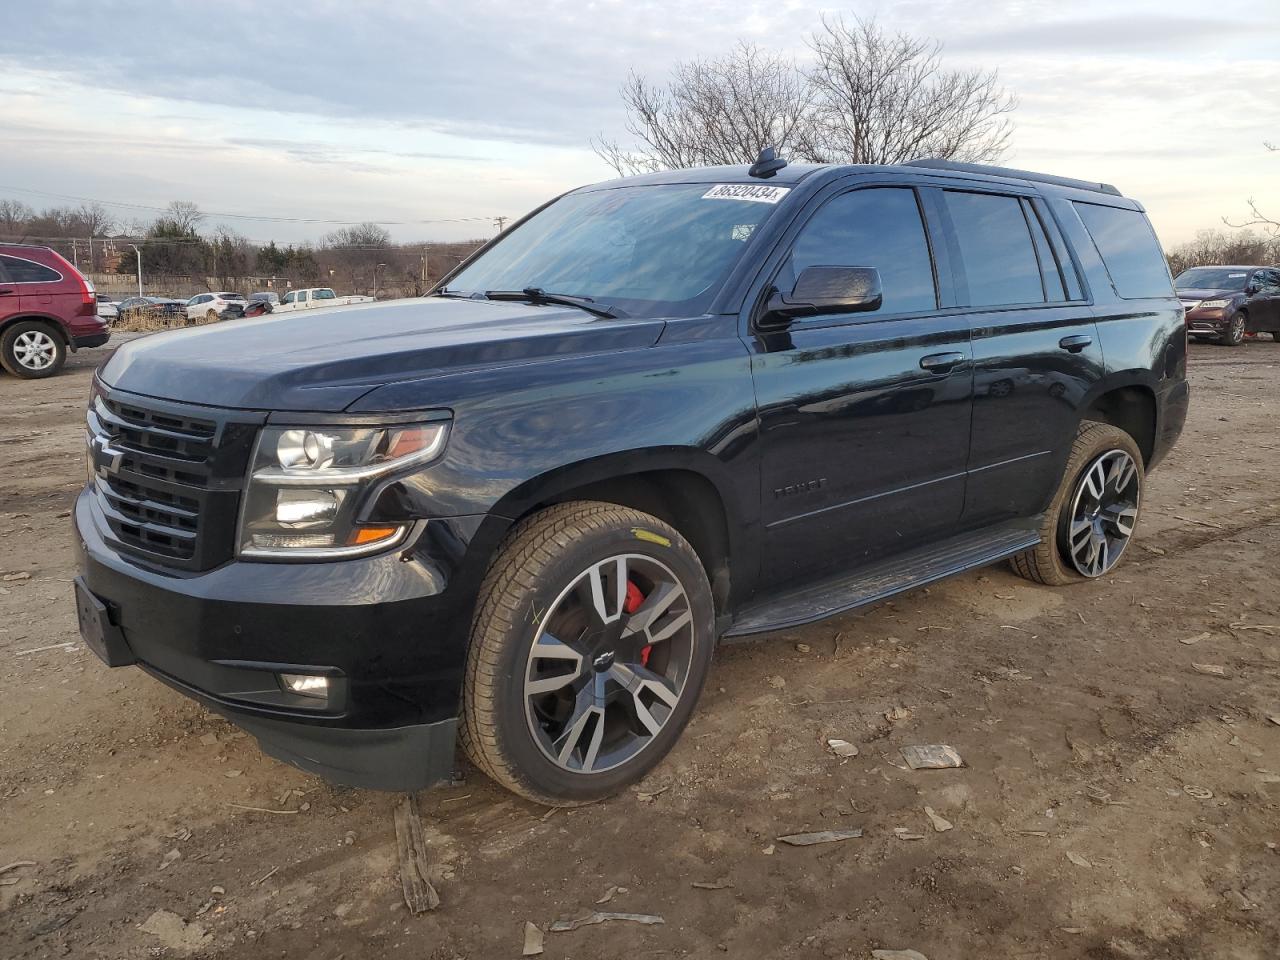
x=1225, y=303
x=654, y=414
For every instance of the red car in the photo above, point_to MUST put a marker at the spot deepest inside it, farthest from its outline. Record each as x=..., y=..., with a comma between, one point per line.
x=47, y=306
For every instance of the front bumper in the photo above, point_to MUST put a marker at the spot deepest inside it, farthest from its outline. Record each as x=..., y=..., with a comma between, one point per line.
x=1208, y=323
x=390, y=629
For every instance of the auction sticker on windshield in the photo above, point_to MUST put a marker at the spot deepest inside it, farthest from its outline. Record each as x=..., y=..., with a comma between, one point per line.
x=746, y=191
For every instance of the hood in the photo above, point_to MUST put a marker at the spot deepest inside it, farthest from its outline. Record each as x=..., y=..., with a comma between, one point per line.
x=325, y=360
x=1205, y=293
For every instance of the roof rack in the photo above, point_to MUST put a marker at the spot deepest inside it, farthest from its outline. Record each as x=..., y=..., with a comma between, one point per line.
x=991, y=171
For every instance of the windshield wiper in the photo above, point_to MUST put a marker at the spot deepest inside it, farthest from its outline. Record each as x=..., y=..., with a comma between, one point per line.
x=538, y=295
x=456, y=294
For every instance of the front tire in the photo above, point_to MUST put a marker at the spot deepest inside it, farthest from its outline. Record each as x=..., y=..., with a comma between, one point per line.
x=590, y=646
x=1233, y=336
x=210, y=316
x=32, y=350
x=1093, y=515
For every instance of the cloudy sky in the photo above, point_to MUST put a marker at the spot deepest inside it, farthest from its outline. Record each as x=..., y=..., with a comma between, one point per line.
x=435, y=117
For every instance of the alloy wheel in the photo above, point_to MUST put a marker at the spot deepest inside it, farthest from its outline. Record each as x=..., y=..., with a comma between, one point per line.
x=1235, y=328
x=35, y=350
x=609, y=663
x=1104, y=510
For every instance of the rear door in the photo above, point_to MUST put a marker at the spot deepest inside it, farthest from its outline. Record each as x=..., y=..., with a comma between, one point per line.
x=864, y=417
x=1036, y=351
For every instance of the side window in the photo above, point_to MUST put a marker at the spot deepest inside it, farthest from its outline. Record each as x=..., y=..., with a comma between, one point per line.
x=302, y=296
x=1128, y=247
x=288, y=298
x=25, y=271
x=324, y=293
x=1269, y=280
x=876, y=227
x=998, y=258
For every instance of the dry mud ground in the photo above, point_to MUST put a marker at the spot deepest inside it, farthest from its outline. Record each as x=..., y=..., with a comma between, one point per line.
x=1116, y=803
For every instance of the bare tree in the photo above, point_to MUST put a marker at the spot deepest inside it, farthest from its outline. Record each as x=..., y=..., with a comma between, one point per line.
x=184, y=215
x=1259, y=219
x=868, y=97
x=1213, y=247
x=714, y=111
x=886, y=98
x=15, y=218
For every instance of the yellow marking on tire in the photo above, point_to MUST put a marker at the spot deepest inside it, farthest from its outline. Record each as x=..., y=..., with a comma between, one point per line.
x=649, y=535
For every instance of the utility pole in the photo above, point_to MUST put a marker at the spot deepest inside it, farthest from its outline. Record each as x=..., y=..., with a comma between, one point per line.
x=75, y=258
x=500, y=222
x=139, y=253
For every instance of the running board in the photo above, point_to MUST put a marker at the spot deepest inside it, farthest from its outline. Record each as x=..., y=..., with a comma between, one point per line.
x=838, y=594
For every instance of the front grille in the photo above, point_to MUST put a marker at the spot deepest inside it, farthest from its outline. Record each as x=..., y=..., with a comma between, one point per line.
x=167, y=477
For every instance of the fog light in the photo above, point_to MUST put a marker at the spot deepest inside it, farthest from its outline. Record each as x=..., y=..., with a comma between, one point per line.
x=306, y=685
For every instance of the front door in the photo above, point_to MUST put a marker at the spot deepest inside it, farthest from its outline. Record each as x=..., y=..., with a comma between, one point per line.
x=864, y=417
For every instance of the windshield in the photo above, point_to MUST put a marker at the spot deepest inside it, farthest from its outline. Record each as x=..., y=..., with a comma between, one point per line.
x=657, y=250
x=1212, y=278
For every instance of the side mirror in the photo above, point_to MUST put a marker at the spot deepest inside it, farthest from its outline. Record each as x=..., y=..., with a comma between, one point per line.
x=821, y=290
x=1250, y=289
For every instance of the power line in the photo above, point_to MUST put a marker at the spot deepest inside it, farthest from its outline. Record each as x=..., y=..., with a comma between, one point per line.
x=248, y=216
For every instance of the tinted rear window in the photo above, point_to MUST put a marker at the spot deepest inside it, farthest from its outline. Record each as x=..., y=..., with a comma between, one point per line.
x=1129, y=249
x=1000, y=264
x=25, y=271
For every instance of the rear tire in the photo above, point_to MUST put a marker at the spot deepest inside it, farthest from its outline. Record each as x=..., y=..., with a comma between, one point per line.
x=556, y=723
x=1097, y=461
x=210, y=316
x=32, y=350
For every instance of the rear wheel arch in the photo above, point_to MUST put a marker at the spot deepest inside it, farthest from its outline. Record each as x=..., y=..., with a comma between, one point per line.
x=1132, y=408
x=53, y=322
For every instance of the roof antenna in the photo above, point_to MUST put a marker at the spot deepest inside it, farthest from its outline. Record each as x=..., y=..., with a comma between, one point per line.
x=767, y=164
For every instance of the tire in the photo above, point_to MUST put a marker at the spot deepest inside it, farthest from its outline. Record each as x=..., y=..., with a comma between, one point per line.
x=1233, y=336
x=1102, y=447
x=541, y=581
x=32, y=350
x=211, y=316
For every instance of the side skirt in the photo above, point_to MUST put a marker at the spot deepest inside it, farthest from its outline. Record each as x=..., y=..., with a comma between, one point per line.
x=916, y=568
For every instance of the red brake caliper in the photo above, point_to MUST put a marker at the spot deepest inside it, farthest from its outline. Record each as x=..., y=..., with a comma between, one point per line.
x=632, y=604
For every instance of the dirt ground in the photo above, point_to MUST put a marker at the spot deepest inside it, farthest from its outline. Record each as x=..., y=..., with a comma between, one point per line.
x=1117, y=801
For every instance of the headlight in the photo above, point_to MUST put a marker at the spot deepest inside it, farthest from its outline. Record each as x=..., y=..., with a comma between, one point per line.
x=1212, y=303
x=308, y=483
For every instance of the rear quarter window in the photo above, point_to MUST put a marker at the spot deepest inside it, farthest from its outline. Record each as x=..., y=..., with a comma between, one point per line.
x=27, y=271
x=1129, y=249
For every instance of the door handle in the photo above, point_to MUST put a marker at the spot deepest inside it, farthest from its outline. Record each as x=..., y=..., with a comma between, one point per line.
x=941, y=362
x=1075, y=344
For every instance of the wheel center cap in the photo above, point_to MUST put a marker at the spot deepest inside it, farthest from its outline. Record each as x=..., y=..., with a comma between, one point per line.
x=603, y=662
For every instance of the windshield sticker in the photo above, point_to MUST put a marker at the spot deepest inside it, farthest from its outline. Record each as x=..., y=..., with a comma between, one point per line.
x=1234, y=275
x=746, y=191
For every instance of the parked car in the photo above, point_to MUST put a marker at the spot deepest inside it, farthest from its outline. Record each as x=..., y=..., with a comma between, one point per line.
x=313, y=297
x=47, y=307
x=519, y=513
x=168, y=309
x=215, y=306
x=107, y=309
x=1226, y=304
x=258, y=308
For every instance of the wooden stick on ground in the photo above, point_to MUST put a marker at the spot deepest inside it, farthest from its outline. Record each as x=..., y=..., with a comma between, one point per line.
x=411, y=846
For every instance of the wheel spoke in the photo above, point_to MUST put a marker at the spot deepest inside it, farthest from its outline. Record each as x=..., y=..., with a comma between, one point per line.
x=568, y=741
x=1123, y=518
x=546, y=648
x=654, y=606
x=637, y=680
x=599, y=600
